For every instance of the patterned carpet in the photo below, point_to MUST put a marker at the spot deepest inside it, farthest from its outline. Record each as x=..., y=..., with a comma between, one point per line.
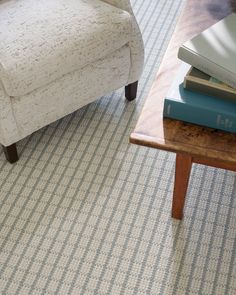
x=85, y=212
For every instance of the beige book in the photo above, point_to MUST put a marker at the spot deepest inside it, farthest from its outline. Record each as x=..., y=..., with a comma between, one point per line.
x=198, y=81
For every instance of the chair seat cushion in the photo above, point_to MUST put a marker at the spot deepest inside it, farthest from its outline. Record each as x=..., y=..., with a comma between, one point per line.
x=42, y=40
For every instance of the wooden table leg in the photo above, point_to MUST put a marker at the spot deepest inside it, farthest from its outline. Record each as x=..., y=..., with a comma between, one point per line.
x=182, y=173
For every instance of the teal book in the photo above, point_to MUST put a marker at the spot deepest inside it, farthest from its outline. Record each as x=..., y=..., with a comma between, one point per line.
x=185, y=105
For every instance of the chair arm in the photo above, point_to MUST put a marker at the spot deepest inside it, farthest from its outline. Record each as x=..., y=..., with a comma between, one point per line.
x=122, y=4
x=136, y=42
x=9, y=132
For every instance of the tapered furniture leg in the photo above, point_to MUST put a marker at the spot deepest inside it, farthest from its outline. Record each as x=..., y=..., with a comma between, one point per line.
x=182, y=173
x=11, y=153
x=131, y=91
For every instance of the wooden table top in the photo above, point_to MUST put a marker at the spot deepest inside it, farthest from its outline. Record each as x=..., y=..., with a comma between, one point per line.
x=154, y=131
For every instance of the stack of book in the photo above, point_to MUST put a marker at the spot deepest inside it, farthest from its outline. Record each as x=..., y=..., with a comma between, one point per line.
x=204, y=91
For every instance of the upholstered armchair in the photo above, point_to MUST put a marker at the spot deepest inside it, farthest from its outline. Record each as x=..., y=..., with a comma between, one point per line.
x=59, y=55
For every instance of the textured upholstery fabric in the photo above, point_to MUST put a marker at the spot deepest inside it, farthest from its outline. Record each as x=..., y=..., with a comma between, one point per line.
x=44, y=44
x=8, y=127
x=47, y=104
x=135, y=43
x=46, y=77
x=122, y=4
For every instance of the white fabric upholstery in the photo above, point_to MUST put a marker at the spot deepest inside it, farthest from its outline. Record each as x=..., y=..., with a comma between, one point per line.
x=39, y=45
x=8, y=127
x=93, y=53
x=29, y=110
x=135, y=43
x=122, y=4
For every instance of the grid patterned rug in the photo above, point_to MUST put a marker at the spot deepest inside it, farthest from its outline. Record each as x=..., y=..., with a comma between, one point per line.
x=84, y=212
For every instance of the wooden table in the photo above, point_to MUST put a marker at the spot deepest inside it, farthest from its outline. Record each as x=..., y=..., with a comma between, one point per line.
x=191, y=143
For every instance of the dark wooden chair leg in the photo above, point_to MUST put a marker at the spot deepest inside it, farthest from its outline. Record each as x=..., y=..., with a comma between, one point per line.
x=11, y=153
x=131, y=91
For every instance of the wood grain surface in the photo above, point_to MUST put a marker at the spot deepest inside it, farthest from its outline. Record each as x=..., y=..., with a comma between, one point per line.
x=151, y=130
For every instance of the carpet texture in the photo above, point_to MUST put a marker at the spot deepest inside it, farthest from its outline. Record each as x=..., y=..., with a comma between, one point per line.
x=85, y=212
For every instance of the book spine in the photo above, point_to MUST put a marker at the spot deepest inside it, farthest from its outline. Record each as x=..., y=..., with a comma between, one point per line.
x=207, y=66
x=200, y=116
x=194, y=85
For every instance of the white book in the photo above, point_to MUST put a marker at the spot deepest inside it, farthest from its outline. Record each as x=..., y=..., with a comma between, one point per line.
x=214, y=51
